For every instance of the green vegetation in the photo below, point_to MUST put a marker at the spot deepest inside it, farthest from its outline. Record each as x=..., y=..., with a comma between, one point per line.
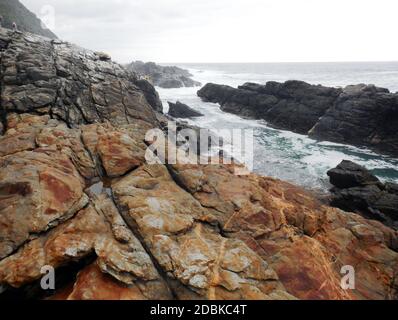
x=14, y=11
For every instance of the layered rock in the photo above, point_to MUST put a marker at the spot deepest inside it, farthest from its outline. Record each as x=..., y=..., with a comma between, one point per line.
x=182, y=111
x=97, y=228
x=74, y=85
x=164, y=76
x=203, y=231
x=357, y=190
x=304, y=242
x=79, y=190
x=360, y=115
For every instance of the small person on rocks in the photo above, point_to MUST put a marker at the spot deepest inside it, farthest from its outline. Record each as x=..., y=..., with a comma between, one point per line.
x=15, y=28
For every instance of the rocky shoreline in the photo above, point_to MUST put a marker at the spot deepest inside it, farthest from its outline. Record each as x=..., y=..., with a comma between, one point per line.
x=357, y=190
x=181, y=110
x=360, y=115
x=167, y=77
x=73, y=118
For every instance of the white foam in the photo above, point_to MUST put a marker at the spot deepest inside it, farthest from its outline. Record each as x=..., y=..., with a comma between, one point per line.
x=278, y=153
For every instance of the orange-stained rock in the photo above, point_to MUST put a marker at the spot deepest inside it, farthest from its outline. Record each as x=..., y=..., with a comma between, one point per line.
x=72, y=240
x=98, y=229
x=304, y=242
x=178, y=231
x=93, y=284
x=199, y=262
x=38, y=190
x=117, y=150
x=69, y=142
x=21, y=133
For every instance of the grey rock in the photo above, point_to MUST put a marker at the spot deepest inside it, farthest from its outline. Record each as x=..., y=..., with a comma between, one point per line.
x=360, y=115
x=151, y=94
x=72, y=84
x=349, y=174
x=14, y=11
x=356, y=189
x=163, y=76
x=293, y=105
x=181, y=110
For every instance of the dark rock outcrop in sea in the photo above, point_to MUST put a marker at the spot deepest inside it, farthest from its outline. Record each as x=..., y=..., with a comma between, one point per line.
x=361, y=115
x=164, y=76
x=357, y=190
x=181, y=110
x=76, y=190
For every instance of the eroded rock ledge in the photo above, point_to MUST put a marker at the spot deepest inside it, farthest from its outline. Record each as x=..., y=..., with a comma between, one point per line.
x=163, y=76
x=361, y=115
x=68, y=83
x=156, y=231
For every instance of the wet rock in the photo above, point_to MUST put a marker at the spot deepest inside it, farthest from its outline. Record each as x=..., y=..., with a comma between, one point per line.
x=361, y=115
x=364, y=116
x=356, y=189
x=293, y=105
x=349, y=174
x=75, y=189
x=180, y=110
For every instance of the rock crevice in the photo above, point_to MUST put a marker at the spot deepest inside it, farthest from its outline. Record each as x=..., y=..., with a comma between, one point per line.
x=172, y=231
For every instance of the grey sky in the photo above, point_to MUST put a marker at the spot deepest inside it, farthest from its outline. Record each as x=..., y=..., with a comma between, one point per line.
x=228, y=30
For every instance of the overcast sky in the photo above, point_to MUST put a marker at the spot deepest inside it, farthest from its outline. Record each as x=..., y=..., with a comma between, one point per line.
x=229, y=30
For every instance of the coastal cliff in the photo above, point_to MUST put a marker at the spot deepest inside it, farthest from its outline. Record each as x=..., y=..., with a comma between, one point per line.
x=360, y=115
x=163, y=76
x=27, y=21
x=77, y=194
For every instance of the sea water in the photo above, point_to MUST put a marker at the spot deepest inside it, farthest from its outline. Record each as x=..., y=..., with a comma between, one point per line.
x=283, y=154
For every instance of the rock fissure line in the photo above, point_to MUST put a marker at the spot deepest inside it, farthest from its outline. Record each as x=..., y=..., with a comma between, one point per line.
x=134, y=229
x=163, y=231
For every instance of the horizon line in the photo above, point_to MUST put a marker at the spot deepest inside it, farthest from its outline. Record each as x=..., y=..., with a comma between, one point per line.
x=280, y=62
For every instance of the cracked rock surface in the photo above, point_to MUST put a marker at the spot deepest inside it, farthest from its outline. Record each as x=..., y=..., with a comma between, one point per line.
x=74, y=185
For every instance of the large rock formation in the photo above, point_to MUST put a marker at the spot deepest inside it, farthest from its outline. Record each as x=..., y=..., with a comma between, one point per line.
x=15, y=11
x=357, y=190
x=181, y=110
x=360, y=115
x=164, y=76
x=77, y=194
x=68, y=83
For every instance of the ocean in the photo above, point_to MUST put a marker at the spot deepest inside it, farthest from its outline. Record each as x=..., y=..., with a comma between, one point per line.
x=283, y=154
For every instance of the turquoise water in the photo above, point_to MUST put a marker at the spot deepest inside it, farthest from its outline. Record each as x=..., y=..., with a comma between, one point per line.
x=282, y=154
